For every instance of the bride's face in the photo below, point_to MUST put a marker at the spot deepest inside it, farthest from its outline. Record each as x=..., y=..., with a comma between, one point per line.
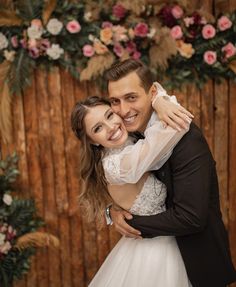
x=104, y=127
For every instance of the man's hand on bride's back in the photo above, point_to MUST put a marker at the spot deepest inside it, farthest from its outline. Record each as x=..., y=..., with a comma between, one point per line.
x=121, y=226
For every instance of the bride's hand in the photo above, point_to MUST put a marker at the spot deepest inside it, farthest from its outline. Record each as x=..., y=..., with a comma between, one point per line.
x=171, y=114
x=118, y=218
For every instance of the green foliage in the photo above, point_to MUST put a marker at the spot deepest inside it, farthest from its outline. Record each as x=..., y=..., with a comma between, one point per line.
x=17, y=217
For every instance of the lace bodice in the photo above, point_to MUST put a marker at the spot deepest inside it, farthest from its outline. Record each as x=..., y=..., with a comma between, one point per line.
x=151, y=199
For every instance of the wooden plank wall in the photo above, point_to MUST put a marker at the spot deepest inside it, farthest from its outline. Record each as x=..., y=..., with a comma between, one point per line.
x=49, y=160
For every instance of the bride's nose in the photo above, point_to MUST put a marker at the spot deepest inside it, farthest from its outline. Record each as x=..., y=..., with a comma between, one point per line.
x=110, y=126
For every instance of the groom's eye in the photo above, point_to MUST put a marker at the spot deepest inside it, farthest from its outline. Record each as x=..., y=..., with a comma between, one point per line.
x=114, y=102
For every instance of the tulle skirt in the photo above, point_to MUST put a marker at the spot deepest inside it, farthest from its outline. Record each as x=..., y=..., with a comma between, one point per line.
x=155, y=262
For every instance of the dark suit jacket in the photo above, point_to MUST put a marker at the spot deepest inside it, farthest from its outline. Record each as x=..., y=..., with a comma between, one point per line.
x=193, y=213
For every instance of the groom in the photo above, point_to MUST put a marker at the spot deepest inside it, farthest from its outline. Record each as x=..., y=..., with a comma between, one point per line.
x=193, y=209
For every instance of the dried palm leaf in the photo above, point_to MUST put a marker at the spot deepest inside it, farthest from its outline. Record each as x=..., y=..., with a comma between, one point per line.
x=37, y=239
x=208, y=16
x=137, y=6
x=5, y=105
x=232, y=66
x=49, y=7
x=9, y=18
x=161, y=52
x=96, y=66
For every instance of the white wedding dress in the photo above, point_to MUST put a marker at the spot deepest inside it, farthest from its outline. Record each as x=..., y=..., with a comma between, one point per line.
x=154, y=262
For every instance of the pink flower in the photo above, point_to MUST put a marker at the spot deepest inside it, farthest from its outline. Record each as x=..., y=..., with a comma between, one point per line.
x=37, y=23
x=136, y=55
x=88, y=50
x=73, y=26
x=224, y=23
x=118, y=11
x=107, y=24
x=34, y=53
x=141, y=30
x=130, y=47
x=32, y=43
x=229, y=50
x=118, y=50
x=208, y=31
x=177, y=12
x=23, y=43
x=44, y=45
x=14, y=41
x=210, y=57
x=119, y=33
x=176, y=32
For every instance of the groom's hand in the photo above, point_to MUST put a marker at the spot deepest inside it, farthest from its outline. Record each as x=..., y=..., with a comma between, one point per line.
x=121, y=226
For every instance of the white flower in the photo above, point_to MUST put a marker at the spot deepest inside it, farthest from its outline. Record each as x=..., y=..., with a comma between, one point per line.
x=3, y=41
x=5, y=247
x=54, y=26
x=2, y=238
x=9, y=55
x=151, y=33
x=34, y=32
x=55, y=51
x=88, y=16
x=7, y=199
x=91, y=38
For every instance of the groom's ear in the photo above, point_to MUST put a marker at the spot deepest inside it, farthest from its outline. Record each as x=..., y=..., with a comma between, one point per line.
x=153, y=90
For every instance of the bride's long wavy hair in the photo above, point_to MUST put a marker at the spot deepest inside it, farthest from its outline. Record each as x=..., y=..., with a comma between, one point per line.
x=94, y=196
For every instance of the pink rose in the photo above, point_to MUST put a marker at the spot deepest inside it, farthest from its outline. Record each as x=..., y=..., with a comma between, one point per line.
x=34, y=53
x=136, y=55
x=14, y=41
x=118, y=50
x=177, y=12
x=176, y=32
x=229, y=50
x=88, y=51
x=210, y=57
x=208, y=31
x=130, y=47
x=141, y=30
x=44, y=45
x=73, y=26
x=224, y=23
x=107, y=24
x=32, y=43
x=118, y=11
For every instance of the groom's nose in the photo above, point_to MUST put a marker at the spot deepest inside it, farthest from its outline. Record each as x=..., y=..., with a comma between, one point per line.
x=124, y=109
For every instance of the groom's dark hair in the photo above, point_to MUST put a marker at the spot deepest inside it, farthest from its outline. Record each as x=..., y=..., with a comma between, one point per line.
x=121, y=69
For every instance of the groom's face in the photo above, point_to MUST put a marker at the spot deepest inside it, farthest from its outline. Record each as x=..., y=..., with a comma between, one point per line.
x=130, y=101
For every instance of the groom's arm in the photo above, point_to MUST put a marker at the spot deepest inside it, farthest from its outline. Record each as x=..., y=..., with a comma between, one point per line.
x=192, y=171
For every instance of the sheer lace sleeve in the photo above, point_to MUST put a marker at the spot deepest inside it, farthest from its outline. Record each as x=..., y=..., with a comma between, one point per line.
x=129, y=164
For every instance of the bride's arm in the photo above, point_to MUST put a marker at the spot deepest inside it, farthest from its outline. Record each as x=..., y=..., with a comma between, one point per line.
x=169, y=111
x=147, y=154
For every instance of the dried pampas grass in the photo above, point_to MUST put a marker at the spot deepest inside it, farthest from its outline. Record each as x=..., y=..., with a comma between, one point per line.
x=137, y=6
x=49, y=7
x=162, y=51
x=5, y=105
x=37, y=239
x=96, y=66
x=9, y=18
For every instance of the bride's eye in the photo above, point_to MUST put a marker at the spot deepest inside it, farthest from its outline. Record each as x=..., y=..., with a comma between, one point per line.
x=110, y=115
x=97, y=129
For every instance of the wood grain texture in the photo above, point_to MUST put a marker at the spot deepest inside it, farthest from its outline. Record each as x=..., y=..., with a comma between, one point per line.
x=49, y=164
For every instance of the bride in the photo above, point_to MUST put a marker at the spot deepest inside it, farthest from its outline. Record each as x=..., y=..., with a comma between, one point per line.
x=114, y=167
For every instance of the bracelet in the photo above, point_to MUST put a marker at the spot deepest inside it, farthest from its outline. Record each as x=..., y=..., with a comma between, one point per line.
x=108, y=215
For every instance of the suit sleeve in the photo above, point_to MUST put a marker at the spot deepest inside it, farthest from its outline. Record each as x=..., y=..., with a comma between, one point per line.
x=192, y=169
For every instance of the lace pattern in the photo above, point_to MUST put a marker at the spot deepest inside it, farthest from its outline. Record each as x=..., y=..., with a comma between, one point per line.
x=151, y=199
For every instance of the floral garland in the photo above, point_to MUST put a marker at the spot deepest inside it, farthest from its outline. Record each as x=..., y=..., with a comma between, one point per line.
x=86, y=37
x=18, y=225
